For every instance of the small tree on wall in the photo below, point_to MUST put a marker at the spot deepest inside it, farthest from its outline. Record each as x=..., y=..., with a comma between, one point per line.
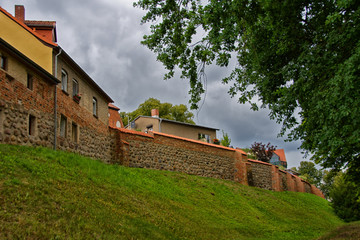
x=263, y=152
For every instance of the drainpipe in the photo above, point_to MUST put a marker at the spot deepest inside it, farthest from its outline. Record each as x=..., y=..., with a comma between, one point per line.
x=55, y=102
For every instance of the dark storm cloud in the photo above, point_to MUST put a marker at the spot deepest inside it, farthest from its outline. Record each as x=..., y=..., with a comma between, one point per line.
x=103, y=37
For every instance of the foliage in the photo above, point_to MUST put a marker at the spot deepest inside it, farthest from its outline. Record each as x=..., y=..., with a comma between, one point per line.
x=178, y=113
x=225, y=140
x=57, y=195
x=328, y=182
x=263, y=152
x=301, y=59
x=249, y=153
x=309, y=173
x=345, y=198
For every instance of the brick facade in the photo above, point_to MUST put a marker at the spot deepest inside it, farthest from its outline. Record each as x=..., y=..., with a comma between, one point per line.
x=27, y=107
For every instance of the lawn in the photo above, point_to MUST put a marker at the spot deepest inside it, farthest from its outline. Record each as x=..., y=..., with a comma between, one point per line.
x=56, y=195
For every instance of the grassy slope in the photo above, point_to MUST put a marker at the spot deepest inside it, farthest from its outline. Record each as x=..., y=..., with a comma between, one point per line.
x=350, y=231
x=46, y=194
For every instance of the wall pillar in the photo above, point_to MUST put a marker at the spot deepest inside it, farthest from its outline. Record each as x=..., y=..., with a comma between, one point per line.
x=275, y=178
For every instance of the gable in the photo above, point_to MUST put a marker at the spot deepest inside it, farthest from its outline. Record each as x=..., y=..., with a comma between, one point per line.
x=21, y=37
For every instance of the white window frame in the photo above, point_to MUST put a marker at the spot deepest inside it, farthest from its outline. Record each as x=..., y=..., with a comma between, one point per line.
x=95, y=107
x=75, y=87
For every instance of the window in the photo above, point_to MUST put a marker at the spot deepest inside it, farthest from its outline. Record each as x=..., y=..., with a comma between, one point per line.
x=30, y=81
x=75, y=87
x=63, y=126
x=74, y=132
x=94, y=106
x=204, y=137
x=64, y=80
x=3, y=62
x=32, y=125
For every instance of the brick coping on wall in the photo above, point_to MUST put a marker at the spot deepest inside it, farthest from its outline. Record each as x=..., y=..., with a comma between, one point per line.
x=132, y=132
x=261, y=162
x=151, y=135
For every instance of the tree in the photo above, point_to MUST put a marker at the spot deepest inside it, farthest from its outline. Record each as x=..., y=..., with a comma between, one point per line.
x=225, y=140
x=263, y=152
x=345, y=198
x=309, y=173
x=299, y=58
x=328, y=182
x=178, y=113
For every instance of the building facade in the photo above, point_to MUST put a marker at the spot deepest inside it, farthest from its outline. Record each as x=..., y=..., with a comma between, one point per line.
x=180, y=129
x=47, y=99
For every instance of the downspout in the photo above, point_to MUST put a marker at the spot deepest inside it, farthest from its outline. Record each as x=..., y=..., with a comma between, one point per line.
x=55, y=102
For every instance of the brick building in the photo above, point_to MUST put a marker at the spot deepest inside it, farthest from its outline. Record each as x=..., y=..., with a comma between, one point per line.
x=46, y=97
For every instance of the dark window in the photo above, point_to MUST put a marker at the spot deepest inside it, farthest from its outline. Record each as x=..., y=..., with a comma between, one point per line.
x=63, y=126
x=32, y=125
x=30, y=81
x=75, y=87
x=3, y=62
x=74, y=135
x=95, y=106
x=204, y=137
x=64, y=80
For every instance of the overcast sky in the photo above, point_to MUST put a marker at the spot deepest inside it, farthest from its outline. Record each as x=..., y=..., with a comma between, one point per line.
x=103, y=37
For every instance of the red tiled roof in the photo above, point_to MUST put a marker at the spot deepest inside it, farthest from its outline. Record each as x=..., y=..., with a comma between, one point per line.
x=281, y=154
x=23, y=25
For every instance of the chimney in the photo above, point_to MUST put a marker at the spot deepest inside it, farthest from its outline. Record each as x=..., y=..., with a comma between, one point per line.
x=155, y=113
x=20, y=12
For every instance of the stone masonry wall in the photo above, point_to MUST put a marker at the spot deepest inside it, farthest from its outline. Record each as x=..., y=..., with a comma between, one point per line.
x=164, y=152
x=93, y=136
x=18, y=103
x=167, y=152
x=261, y=175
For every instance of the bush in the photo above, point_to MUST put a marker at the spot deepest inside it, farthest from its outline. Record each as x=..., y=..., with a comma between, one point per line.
x=345, y=195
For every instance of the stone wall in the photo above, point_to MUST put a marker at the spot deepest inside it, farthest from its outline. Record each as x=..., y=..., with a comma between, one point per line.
x=268, y=176
x=92, y=138
x=27, y=118
x=18, y=103
x=261, y=175
x=165, y=152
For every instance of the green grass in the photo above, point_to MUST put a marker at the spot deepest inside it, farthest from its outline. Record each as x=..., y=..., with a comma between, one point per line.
x=56, y=195
x=350, y=231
